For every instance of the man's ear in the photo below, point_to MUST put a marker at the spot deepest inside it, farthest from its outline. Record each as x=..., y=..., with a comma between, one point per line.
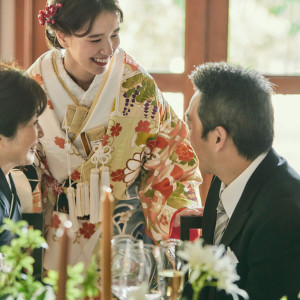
x=220, y=136
x=2, y=141
x=62, y=39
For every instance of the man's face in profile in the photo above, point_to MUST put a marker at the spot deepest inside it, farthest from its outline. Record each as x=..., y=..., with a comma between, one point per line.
x=200, y=145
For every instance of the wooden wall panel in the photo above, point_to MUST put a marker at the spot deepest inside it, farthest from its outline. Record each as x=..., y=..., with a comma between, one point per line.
x=285, y=84
x=172, y=83
x=217, y=30
x=19, y=31
x=195, y=41
x=39, y=43
x=29, y=35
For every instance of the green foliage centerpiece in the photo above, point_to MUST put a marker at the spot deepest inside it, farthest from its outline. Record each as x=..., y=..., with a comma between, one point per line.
x=16, y=269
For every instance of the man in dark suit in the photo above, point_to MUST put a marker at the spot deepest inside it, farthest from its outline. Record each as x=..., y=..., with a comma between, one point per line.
x=254, y=192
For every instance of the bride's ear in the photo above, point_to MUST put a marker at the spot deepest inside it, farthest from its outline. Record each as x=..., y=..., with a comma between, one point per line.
x=62, y=39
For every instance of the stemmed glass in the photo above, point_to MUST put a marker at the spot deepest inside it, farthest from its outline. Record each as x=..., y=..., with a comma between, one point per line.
x=169, y=265
x=128, y=266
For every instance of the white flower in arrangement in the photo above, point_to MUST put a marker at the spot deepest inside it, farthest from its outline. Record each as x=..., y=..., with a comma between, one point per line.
x=138, y=293
x=4, y=267
x=209, y=265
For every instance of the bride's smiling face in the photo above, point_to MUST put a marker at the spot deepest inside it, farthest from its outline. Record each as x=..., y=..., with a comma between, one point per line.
x=90, y=55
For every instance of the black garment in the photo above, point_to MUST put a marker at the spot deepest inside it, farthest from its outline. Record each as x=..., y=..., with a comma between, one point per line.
x=263, y=232
x=6, y=197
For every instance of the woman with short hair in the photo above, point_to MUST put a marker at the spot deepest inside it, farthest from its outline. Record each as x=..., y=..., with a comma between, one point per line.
x=22, y=100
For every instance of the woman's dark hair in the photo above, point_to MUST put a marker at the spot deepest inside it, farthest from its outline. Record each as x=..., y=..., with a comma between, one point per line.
x=74, y=15
x=21, y=97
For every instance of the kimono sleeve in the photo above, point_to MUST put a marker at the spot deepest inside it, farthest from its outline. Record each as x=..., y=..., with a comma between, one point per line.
x=170, y=176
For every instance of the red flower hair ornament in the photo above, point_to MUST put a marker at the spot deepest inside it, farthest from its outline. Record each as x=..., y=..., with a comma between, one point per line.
x=46, y=16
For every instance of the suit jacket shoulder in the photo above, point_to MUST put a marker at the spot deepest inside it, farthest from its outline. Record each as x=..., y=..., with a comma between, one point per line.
x=264, y=230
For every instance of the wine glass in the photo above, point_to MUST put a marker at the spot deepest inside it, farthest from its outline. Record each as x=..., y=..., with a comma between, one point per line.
x=169, y=265
x=128, y=266
x=151, y=272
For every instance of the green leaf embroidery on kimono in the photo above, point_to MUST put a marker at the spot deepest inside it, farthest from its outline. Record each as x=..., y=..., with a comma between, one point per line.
x=178, y=198
x=146, y=90
x=144, y=177
x=149, y=193
x=130, y=92
x=132, y=81
x=146, y=93
x=191, y=162
x=173, y=156
x=143, y=137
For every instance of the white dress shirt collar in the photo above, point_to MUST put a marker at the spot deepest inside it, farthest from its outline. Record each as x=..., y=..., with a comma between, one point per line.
x=231, y=194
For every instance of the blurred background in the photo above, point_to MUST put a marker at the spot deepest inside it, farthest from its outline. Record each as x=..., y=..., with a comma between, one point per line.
x=170, y=37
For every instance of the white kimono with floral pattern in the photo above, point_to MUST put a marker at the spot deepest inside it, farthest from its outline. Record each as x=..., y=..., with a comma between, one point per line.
x=153, y=169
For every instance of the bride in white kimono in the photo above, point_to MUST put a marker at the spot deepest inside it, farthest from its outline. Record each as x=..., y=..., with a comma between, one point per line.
x=105, y=118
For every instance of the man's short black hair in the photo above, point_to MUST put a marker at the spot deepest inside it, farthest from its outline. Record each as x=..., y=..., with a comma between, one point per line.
x=239, y=100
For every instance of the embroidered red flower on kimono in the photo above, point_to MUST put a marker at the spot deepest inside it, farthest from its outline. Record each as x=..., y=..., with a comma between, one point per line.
x=38, y=78
x=60, y=142
x=143, y=126
x=150, y=145
x=104, y=141
x=128, y=60
x=118, y=175
x=177, y=172
x=164, y=187
x=50, y=104
x=54, y=185
x=55, y=221
x=163, y=220
x=115, y=130
x=75, y=175
x=161, y=143
x=87, y=230
x=184, y=152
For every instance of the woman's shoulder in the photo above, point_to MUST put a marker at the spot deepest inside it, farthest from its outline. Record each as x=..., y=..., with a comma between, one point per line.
x=132, y=67
x=36, y=66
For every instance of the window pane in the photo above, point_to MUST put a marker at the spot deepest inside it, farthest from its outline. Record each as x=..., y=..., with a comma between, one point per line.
x=287, y=128
x=176, y=101
x=153, y=33
x=265, y=35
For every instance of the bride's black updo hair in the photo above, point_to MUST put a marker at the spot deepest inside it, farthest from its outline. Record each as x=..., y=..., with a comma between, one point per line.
x=74, y=15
